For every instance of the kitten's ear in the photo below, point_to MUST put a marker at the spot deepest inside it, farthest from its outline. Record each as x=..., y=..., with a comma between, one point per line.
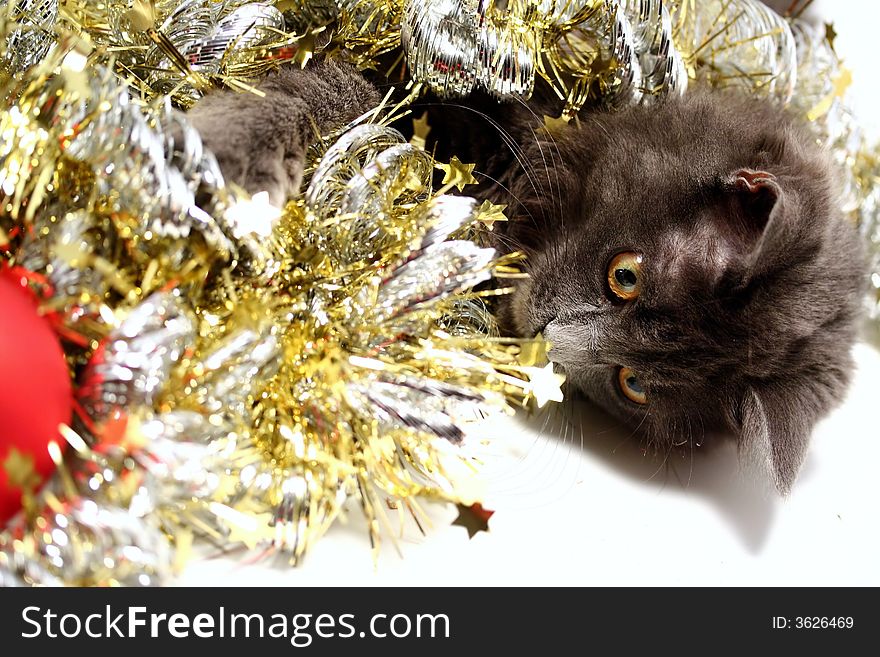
x=755, y=197
x=774, y=435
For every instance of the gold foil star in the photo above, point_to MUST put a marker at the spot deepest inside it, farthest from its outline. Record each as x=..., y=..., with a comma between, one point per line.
x=458, y=173
x=421, y=129
x=142, y=16
x=20, y=470
x=489, y=213
x=830, y=35
x=71, y=253
x=546, y=385
x=554, y=125
x=841, y=85
x=250, y=529
x=474, y=518
x=254, y=216
x=305, y=48
x=251, y=535
x=533, y=353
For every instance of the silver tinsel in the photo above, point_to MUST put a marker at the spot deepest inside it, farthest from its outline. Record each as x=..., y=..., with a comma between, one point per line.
x=744, y=43
x=456, y=45
x=72, y=244
x=438, y=271
x=354, y=180
x=86, y=542
x=133, y=364
x=232, y=370
x=209, y=34
x=29, y=41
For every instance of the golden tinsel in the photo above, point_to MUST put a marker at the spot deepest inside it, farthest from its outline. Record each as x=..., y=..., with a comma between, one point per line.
x=244, y=370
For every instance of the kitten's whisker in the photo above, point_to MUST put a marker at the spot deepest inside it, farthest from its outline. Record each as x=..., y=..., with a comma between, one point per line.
x=549, y=413
x=601, y=127
x=509, y=243
x=508, y=139
x=557, y=197
x=506, y=189
x=693, y=449
x=581, y=425
x=635, y=431
x=625, y=440
x=660, y=467
x=550, y=463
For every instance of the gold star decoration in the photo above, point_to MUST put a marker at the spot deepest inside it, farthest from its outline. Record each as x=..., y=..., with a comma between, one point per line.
x=72, y=254
x=457, y=173
x=554, y=125
x=250, y=529
x=421, y=129
x=256, y=215
x=489, y=213
x=252, y=536
x=830, y=35
x=142, y=16
x=20, y=470
x=473, y=518
x=533, y=352
x=546, y=385
x=305, y=48
x=841, y=84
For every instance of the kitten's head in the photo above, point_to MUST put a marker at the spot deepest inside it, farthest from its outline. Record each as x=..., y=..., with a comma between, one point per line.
x=692, y=271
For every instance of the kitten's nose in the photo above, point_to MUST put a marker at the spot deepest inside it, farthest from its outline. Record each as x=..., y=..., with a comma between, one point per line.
x=571, y=342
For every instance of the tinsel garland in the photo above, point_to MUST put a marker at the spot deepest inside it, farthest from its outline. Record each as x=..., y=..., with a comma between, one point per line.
x=243, y=370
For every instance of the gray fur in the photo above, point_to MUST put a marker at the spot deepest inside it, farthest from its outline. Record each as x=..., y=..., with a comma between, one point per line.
x=261, y=142
x=751, y=294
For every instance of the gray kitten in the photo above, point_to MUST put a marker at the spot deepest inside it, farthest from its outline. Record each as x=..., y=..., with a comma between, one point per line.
x=689, y=262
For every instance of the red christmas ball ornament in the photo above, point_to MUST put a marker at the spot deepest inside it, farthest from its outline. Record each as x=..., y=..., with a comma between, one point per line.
x=35, y=390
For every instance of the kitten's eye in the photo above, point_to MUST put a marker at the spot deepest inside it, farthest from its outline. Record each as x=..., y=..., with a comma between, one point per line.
x=625, y=275
x=630, y=386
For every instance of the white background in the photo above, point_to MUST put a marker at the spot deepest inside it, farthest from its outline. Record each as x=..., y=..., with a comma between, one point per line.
x=590, y=509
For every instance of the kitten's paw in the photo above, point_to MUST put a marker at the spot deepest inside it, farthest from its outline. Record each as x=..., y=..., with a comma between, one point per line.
x=260, y=140
x=255, y=172
x=256, y=151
